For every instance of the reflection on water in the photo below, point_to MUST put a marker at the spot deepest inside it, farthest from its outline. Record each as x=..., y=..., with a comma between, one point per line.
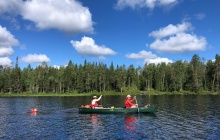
x=130, y=122
x=33, y=113
x=94, y=118
x=95, y=125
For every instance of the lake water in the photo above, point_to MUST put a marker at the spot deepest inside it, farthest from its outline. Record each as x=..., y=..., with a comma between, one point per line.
x=176, y=117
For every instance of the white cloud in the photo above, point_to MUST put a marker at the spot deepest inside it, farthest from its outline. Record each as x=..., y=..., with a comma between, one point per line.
x=167, y=2
x=6, y=51
x=121, y=4
x=158, y=60
x=141, y=55
x=59, y=66
x=7, y=41
x=148, y=57
x=10, y=6
x=174, y=39
x=35, y=58
x=55, y=66
x=65, y=15
x=182, y=42
x=5, y=61
x=171, y=30
x=134, y=4
x=68, y=15
x=6, y=38
x=88, y=47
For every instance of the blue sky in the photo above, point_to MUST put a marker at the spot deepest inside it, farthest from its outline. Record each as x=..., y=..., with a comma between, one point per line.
x=119, y=31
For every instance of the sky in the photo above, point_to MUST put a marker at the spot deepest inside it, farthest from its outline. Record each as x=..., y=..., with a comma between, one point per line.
x=125, y=32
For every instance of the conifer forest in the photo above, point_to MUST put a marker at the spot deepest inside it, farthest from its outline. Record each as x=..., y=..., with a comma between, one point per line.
x=194, y=76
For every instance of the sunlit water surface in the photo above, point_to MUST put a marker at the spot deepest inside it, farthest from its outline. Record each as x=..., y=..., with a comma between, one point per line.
x=176, y=117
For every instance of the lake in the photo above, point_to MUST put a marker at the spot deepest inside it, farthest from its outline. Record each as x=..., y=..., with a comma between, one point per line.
x=176, y=117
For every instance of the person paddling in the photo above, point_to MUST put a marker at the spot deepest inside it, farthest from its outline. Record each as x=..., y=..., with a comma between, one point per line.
x=94, y=101
x=128, y=102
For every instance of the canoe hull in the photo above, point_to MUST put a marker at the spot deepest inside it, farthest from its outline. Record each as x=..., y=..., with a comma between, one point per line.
x=148, y=109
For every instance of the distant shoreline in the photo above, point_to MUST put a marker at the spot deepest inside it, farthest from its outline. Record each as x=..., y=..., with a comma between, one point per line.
x=103, y=93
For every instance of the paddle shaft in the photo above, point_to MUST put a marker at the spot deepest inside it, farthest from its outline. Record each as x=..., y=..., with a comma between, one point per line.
x=137, y=104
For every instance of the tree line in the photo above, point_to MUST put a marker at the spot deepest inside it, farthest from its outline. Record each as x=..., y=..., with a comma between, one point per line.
x=194, y=76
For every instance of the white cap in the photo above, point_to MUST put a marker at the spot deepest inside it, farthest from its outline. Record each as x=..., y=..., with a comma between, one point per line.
x=94, y=96
x=128, y=96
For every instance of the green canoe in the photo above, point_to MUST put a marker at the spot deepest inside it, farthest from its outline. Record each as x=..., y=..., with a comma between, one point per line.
x=148, y=109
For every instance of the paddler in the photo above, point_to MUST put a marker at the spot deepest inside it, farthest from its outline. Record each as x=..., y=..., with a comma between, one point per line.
x=94, y=101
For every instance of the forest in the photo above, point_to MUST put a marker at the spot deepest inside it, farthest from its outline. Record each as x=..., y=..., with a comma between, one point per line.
x=197, y=76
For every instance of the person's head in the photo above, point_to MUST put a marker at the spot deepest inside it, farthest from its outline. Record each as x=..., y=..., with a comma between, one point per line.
x=128, y=96
x=94, y=97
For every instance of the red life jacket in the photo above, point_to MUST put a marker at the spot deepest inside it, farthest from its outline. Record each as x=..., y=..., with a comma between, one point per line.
x=128, y=103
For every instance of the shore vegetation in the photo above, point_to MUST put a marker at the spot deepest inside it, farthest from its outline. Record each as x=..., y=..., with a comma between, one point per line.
x=199, y=77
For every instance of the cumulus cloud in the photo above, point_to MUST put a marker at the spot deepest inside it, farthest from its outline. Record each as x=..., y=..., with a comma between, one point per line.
x=57, y=67
x=88, y=47
x=5, y=61
x=158, y=60
x=10, y=6
x=134, y=4
x=175, y=39
x=68, y=15
x=141, y=55
x=6, y=51
x=7, y=41
x=180, y=43
x=35, y=58
x=6, y=38
x=171, y=30
x=148, y=57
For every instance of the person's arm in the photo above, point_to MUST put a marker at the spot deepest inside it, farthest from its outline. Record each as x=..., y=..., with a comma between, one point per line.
x=131, y=104
x=133, y=99
x=136, y=101
x=99, y=98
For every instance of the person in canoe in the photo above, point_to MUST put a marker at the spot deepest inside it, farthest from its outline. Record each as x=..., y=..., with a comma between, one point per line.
x=128, y=102
x=94, y=101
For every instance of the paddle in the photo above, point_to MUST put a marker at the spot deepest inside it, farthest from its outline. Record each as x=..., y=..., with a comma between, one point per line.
x=137, y=104
x=101, y=102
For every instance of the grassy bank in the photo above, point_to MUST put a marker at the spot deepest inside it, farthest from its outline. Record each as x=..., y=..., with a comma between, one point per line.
x=151, y=92
x=57, y=94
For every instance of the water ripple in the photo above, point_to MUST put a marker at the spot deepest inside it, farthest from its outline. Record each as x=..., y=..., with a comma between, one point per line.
x=177, y=117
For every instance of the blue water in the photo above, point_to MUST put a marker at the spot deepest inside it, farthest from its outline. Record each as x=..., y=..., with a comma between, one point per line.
x=177, y=117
